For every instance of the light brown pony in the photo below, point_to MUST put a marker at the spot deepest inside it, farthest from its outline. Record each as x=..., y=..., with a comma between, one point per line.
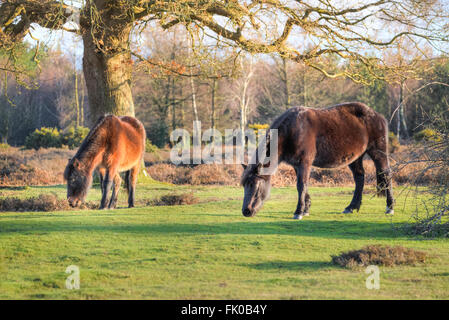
x=115, y=144
x=332, y=137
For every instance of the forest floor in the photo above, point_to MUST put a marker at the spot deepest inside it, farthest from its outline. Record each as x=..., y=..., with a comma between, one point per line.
x=209, y=250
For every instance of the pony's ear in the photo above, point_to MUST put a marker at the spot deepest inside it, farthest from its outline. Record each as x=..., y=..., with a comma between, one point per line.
x=244, y=166
x=259, y=165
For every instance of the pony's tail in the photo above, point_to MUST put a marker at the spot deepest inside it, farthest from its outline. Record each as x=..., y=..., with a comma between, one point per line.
x=383, y=174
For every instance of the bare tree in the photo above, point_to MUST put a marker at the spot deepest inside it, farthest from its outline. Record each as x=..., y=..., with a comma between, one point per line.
x=242, y=93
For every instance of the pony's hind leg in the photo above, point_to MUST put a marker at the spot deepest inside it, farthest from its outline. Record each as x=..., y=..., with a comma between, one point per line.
x=101, y=174
x=308, y=203
x=358, y=172
x=115, y=191
x=384, y=186
x=132, y=182
x=127, y=174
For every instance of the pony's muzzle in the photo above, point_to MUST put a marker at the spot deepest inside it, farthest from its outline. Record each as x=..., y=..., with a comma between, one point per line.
x=74, y=202
x=248, y=213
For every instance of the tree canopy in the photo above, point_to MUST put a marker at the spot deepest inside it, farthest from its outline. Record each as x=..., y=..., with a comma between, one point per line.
x=297, y=30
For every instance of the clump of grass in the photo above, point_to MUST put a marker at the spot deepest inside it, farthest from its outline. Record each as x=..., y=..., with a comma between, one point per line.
x=43, y=202
x=379, y=255
x=173, y=200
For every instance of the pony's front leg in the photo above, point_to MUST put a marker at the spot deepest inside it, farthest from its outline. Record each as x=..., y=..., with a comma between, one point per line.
x=303, y=174
x=106, y=187
x=115, y=191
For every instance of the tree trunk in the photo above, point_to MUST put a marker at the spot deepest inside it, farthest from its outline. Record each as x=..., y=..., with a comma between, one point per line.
x=77, y=103
x=212, y=113
x=192, y=87
x=181, y=113
x=82, y=105
x=305, y=86
x=285, y=79
x=401, y=112
x=242, y=125
x=107, y=68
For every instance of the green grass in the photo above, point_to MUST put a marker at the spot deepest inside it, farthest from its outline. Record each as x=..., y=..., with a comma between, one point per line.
x=210, y=251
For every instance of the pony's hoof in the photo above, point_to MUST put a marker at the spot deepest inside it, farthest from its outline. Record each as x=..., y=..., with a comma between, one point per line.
x=389, y=212
x=305, y=214
x=297, y=217
x=347, y=210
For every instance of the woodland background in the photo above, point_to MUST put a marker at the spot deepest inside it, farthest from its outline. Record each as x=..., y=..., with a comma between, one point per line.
x=221, y=92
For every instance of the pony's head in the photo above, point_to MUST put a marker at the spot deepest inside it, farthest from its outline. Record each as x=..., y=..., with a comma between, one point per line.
x=78, y=182
x=257, y=189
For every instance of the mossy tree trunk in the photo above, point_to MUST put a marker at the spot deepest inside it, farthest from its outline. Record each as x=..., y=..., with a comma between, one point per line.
x=107, y=65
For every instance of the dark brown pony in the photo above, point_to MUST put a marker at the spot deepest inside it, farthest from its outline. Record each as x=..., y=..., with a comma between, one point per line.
x=115, y=144
x=326, y=138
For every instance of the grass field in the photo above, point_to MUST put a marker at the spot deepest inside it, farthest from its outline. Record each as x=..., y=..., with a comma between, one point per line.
x=210, y=251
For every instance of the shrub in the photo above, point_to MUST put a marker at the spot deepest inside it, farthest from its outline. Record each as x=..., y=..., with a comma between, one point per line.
x=158, y=134
x=434, y=225
x=427, y=135
x=74, y=136
x=54, y=138
x=150, y=148
x=434, y=156
x=379, y=255
x=44, y=138
x=4, y=146
x=259, y=127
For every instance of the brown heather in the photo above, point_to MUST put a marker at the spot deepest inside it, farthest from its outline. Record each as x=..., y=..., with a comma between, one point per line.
x=46, y=167
x=380, y=255
x=43, y=202
x=171, y=200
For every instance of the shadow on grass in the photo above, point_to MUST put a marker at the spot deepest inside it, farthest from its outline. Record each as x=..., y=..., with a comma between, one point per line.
x=292, y=265
x=325, y=229
x=63, y=187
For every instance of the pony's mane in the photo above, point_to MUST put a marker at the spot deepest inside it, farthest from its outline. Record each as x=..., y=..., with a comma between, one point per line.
x=287, y=115
x=248, y=173
x=278, y=124
x=91, y=136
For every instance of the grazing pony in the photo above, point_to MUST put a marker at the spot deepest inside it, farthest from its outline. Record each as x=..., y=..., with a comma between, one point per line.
x=326, y=138
x=115, y=144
